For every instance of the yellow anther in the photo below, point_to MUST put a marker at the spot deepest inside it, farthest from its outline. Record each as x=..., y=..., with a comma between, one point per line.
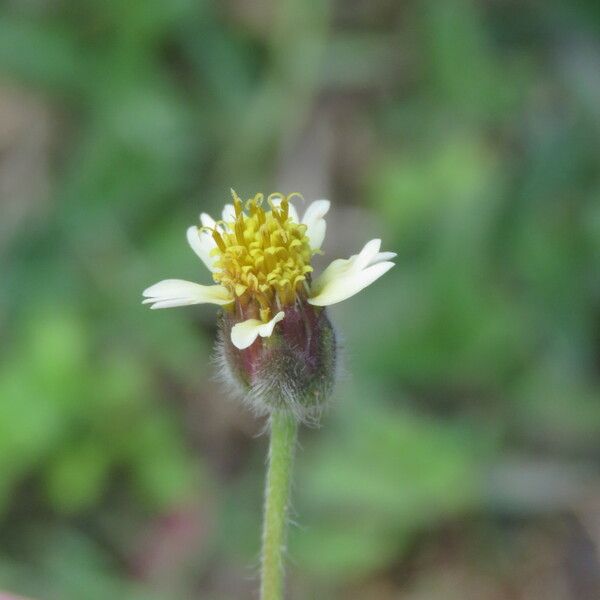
x=285, y=207
x=219, y=241
x=261, y=254
x=239, y=229
x=237, y=203
x=260, y=215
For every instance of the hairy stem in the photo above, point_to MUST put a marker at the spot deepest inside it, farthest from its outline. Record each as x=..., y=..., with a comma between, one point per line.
x=281, y=454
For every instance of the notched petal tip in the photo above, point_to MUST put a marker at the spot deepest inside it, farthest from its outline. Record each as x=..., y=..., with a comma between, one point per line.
x=344, y=278
x=245, y=333
x=317, y=209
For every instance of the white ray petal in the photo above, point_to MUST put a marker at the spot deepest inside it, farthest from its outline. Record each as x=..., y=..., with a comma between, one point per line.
x=365, y=257
x=177, y=292
x=202, y=244
x=345, y=277
x=315, y=223
x=243, y=334
x=207, y=220
x=342, y=288
x=228, y=213
x=381, y=256
x=334, y=269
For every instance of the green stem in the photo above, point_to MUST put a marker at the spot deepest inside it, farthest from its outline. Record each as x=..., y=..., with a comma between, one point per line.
x=281, y=454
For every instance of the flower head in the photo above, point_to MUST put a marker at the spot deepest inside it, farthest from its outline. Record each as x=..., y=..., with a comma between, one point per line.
x=276, y=338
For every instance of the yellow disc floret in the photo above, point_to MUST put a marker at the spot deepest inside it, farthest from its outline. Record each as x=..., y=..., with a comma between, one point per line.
x=262, y=255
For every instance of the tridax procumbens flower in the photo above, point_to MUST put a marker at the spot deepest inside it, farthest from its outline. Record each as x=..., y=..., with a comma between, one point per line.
x=275, y=338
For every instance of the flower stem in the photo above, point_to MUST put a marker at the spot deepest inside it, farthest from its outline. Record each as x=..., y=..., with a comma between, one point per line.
x=281, y=454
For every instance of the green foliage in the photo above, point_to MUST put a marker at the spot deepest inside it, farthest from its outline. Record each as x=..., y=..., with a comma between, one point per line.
x=382, y=476
x=68, y=565
x=59, y=414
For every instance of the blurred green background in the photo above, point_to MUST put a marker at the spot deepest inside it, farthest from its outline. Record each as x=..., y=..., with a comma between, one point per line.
x=460, y=459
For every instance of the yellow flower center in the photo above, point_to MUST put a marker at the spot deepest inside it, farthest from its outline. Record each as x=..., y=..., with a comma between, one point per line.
x=262, y=255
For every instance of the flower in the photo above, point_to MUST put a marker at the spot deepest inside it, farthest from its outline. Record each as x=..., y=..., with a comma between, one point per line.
x=273, y=323
x=261, y=261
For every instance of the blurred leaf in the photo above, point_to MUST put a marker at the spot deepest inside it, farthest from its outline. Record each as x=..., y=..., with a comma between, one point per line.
x=464, y=72
x=377, y=480
x=76, y=477
x=46, y=55
x=454, y=177
x=164, y=475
